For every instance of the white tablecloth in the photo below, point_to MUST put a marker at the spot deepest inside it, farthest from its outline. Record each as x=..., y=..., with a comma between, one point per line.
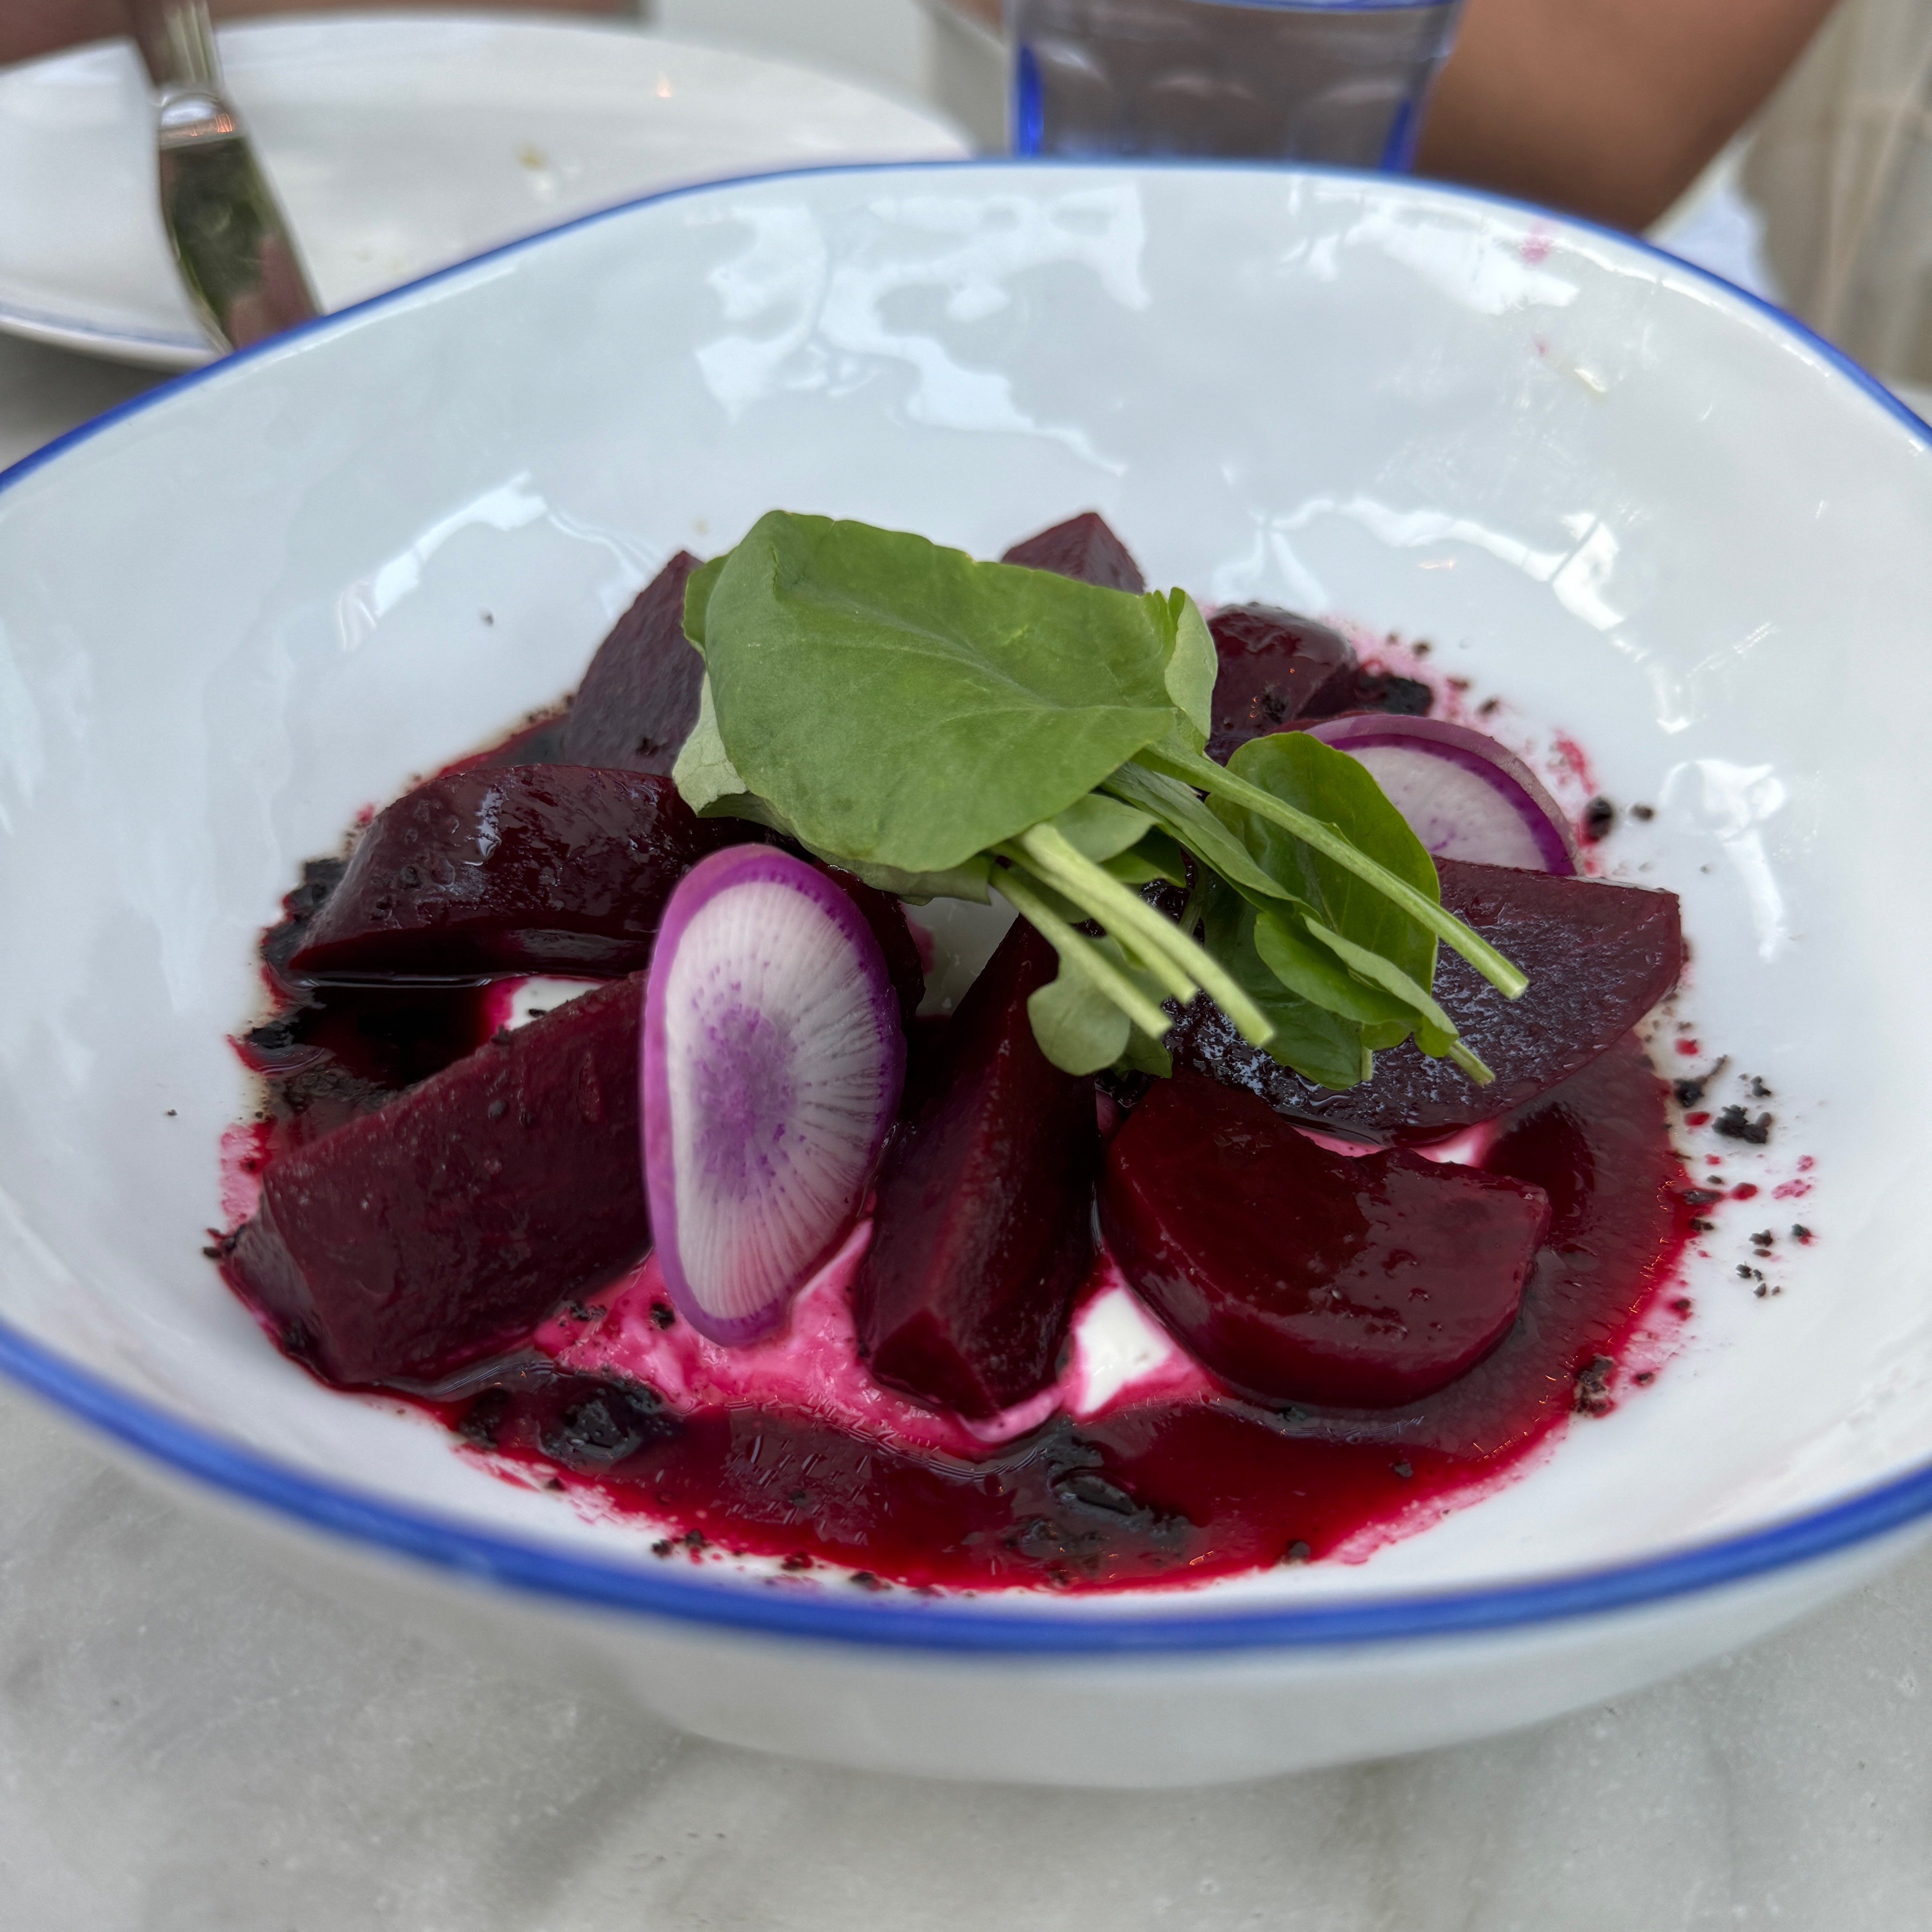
x=190, y=1743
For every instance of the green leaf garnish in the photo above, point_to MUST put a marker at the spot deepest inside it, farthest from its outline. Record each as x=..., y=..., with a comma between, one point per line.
x=898, y=702
x=941, y=726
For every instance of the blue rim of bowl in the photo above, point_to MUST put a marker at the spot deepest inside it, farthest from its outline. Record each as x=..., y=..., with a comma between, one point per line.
x=592, y=1582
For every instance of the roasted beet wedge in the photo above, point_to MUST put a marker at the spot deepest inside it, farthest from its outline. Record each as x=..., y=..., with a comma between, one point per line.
x=1082, y=547
x=983, y=1233
x=639, y=699
x=533, y=869
x=1276, y=666
x=1294, y=1274
x=439, y=1230
x=1599, y=957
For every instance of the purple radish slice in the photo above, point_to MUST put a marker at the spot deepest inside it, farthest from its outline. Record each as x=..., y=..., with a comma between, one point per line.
x=771, y=1065
x=1464, y=796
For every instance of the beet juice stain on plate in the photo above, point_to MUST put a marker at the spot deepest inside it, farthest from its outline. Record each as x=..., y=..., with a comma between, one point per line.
x=432, y=1193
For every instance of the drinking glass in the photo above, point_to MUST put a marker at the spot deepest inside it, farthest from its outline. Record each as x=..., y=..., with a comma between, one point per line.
x=1314, y=80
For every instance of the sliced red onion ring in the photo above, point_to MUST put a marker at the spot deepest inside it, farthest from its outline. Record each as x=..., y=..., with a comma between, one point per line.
x=771, y=1064
x=1464, y=796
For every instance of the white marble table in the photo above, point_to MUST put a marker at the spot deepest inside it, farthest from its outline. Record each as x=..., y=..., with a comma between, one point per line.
x=190, y=1743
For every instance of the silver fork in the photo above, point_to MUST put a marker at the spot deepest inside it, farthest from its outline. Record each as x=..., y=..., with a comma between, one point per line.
x=239, y=262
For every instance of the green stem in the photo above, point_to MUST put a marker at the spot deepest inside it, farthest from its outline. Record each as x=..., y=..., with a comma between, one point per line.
x=1079, y=955
x=1130, y=917
x=1198, y=770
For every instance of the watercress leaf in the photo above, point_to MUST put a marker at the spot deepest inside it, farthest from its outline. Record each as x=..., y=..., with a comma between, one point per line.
x=1100, y=827
x=1329, y=785
x=962, y=882
x=1320, y=1045
x=1191, y=666
x=1156, y=856
x=1170, y=758
x=697, y=588
x=1305, y=969
x=901, y=703
x=1390, y=978
x=1145, y=1054
x=703, y=773
x=1080, y=954
x=1078, y=1028
x=1178, y=812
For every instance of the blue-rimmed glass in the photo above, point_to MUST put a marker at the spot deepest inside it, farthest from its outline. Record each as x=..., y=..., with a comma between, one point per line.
x=1339, y=81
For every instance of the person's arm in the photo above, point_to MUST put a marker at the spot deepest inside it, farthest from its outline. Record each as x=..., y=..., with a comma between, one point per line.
x=1608, y=108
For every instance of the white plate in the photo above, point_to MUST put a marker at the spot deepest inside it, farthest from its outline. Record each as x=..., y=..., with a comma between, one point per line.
x=1642, y=507
x=399, y=144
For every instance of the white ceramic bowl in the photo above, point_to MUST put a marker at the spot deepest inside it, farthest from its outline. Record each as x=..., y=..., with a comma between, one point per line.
x=1649, y=511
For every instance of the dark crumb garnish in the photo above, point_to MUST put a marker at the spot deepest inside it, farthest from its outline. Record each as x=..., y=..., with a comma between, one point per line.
x=1682, y=1305
x=1759, y=1090
x=1698, y=1227
x=1699, y=1197
x=171, y=1113
x=1404, y=1469
x=799, y=1498
x=1690, y=1092
x=797, y=1560
x=1600, y=819
x=1801, y=1233
x=554, y=1483
x=1593, y=1388
x=1735, y=1124
x=1297, y=1552
x=866, y=1580
x=1644, y=814
x=663, y=1547
x=693, y=1539
x=1489, y=707
x=1644, y=1378
x=662, y=1316
x=478, y=1422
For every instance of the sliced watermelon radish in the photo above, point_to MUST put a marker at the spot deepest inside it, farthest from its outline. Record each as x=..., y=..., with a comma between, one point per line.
x=1464, y=796
x=771, y=1064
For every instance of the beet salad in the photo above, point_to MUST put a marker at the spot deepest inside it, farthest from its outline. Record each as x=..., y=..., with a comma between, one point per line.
x=1290, y=1167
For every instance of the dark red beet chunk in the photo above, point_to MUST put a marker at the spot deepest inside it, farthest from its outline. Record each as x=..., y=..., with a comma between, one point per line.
x=1294, y=1274
x=982, y=1234
x=442, y=1228
x=639, y=699
x=1599, y=957
x=1276, y=667
x=529, y=869
x=1082, y=547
